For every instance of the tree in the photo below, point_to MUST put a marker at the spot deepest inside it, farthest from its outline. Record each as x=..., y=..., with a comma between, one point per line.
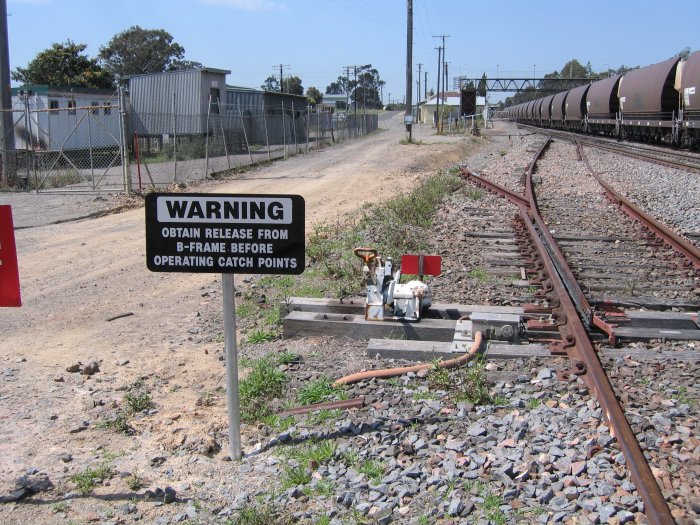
x=313, y=96
x=293, y=85
x=271, y=83
x=481, y=88
x=339, y=87
x=136, y=51
x=64, y=65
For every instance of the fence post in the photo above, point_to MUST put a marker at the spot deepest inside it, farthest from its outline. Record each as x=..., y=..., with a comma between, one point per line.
x=294, y=130
x=267, y=138
x=284, y=131
x=223, y=133
x=30, y=148
x=245, y=133
x=92, y=164
x=206, y=142
x=124, y=146
x=308, y=131
x=174, y=142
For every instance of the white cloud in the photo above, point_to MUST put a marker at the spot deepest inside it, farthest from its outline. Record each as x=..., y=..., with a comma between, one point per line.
x=249, y=5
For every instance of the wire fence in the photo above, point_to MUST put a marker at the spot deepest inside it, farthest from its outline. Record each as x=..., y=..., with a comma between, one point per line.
x=102, y=148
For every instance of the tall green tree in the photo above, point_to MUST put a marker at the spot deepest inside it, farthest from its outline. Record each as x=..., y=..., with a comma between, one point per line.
x=292, y=85
x=64, y=65
x=313, y=96
x=272, y=83
x=363, y=86
x=136, y=51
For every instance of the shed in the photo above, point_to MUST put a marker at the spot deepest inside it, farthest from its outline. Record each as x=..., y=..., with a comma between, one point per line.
x=175, y=100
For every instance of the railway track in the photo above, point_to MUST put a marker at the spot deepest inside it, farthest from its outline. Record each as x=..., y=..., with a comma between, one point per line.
x=578, y=228
x=676, y=159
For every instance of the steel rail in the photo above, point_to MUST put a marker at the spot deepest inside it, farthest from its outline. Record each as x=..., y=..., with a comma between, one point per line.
x=690, y=163
x=587, y=365
x=579, y=348
x=675, y=241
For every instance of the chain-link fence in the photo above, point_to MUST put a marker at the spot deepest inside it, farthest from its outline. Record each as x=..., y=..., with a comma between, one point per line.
x=74, y=148
x=99, y=147
x=169, y=149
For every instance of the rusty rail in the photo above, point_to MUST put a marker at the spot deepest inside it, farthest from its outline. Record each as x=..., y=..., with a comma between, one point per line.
x=673, y=240
x=583, y=356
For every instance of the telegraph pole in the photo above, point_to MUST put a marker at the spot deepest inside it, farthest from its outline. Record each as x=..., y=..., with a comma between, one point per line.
x=437, y=95
x=8, y=136
x=419, y=68
x=408, y=119
x=441, y=67
x=281, y=66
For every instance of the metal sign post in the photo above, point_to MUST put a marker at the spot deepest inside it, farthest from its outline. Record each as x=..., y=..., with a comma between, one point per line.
x=231, y=350
x=220, y=233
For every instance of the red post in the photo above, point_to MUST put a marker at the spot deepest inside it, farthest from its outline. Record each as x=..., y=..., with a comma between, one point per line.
x=9, y=271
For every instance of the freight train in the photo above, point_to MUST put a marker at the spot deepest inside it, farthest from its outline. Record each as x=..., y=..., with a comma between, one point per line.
x=657, y=104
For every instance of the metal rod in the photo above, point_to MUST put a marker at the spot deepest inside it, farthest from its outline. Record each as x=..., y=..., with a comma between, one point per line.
x=206, y=141
x=232, y=396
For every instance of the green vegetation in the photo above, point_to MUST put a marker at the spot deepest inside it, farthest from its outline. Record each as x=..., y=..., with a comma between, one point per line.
x=478, y=274
x=374, y=470
x=137, y=399
x=264, y=383
x=89, y=478
x=319, y=390
x=259, y=514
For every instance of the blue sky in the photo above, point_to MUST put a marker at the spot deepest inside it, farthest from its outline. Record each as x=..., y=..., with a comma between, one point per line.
x=317, y=38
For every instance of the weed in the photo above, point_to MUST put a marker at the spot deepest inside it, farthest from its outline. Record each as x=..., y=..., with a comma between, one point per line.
x=322, y=488
x=245, y=310
x=295, y=476
x=137, y=400
x=474, y=194
x=439, y=377
x=351, y=459
x=60, y=507
x=406, y=142
x=503, y=153
x=683, y=397
x=323, y=520
x=533, y=403
x=286, y=357
x=492, y=509
x=259, y=514
x=394, y=381
x=323, y=415
x=423, y=520
x=312, y=454
x=88, y=479
x=646, y=380
x=134, y=482
x=432, y=396
x=262, y=336
x=374, y=470
x=264, y=383
x=319, y=390
x=474, y=385
x=478, y=274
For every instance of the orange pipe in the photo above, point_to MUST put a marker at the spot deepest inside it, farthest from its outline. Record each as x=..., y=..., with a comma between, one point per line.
x=392, y=372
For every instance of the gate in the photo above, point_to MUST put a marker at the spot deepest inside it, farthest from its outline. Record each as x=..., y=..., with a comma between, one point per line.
x=76, y=148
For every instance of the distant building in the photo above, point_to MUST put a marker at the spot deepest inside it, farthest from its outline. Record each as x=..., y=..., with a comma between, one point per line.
x=60, y=118
x=186, y=94
x=449, y=100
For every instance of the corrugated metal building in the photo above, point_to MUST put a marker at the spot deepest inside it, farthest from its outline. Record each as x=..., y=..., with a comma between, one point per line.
x=175, y=101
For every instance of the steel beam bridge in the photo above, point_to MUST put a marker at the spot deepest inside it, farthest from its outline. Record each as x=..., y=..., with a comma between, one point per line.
x=513, y=85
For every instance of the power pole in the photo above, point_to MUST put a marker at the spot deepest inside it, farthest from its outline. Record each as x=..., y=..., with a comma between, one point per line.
x=7, y=144
x=437, y=95
x=281, y=66
x=409, y=68
x=425, y=85
x=441, y=70
x=419, y=68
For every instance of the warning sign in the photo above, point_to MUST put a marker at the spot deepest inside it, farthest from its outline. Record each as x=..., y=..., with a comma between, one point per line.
x=216, y=233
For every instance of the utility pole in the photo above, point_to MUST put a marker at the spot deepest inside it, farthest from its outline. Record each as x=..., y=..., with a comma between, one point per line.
x=419, y=68
x=281, y=67
x=437, y=95
x=441, y=67
x=8, y=136
x=409, y=68
x=425, y=85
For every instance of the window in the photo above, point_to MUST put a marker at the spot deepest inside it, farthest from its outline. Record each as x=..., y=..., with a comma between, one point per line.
x=71, y=107
x=95, y=109
x=108, y=108
x=53, y=107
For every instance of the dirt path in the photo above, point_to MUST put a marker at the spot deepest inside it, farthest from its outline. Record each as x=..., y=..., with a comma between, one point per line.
x=75, y=276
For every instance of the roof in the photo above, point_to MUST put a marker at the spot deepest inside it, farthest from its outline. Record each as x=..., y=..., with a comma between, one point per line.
x=202, y=69
x=52, y=90
x=449, y=98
